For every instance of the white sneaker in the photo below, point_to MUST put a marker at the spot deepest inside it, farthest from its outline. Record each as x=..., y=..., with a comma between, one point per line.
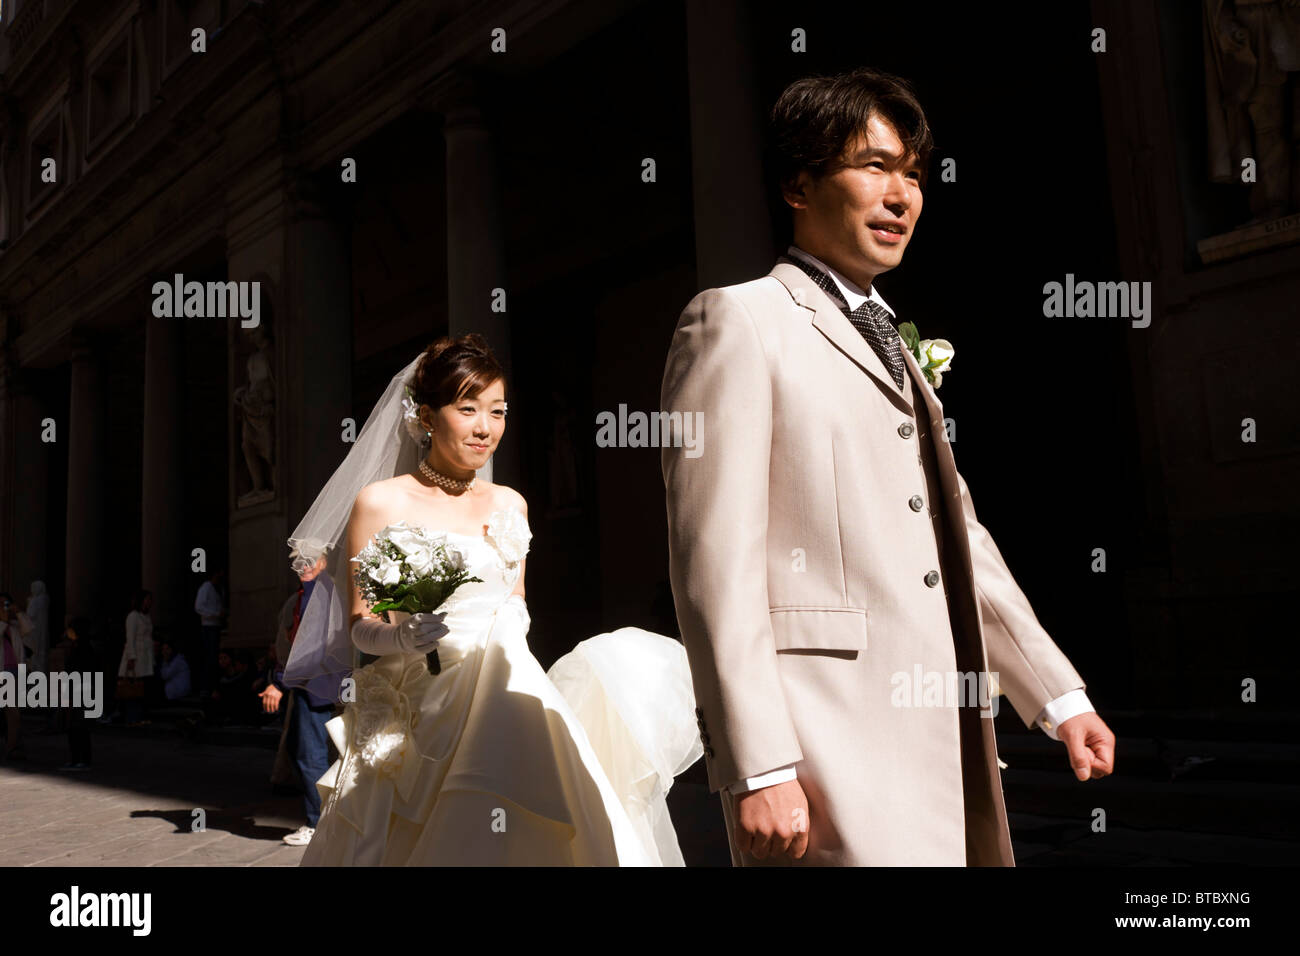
x=300, y=837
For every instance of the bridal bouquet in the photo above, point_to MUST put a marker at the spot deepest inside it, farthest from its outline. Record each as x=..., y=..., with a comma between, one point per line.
x=406, y=568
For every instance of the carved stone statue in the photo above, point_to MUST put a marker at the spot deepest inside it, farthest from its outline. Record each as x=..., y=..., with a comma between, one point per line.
x=256, y=401
x=1252, y=79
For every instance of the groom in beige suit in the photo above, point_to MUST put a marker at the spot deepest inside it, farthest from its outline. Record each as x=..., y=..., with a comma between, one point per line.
x=841, y=606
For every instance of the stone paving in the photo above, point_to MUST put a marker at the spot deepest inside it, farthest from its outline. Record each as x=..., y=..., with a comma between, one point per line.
x=136, y=806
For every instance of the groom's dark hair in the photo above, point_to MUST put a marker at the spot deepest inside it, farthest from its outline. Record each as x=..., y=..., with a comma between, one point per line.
x=815, y=119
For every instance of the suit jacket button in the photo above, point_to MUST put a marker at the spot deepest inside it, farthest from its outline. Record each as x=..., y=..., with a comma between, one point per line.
x=906, y=429
x=917, y=502
x=704, y=738
x=708, y=751
x=932, y=579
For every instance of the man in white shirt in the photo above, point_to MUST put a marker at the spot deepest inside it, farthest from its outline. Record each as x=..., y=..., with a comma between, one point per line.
x=210, y=608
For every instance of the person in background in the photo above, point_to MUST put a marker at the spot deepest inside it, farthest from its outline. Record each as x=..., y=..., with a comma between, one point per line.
x=244, y=700
x=38, y=610
x=268, y=670
x=308, y=713
x=56, y=662
x=15, y=646
x=175, y=672
x=218, y=701
x=78, y=657
x=232, y=702
x=210, y=608
x=137, y=654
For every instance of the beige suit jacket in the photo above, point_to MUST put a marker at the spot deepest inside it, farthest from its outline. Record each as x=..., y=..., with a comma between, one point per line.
x=807, y=581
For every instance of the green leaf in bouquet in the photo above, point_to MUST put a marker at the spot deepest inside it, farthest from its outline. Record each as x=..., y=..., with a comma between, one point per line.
x=426, y=595
x=429, y=594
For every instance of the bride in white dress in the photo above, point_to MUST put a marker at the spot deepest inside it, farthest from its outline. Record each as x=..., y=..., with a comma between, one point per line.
x=488, y=760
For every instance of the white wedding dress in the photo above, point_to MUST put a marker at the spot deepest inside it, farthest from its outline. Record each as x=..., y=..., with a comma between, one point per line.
x=491, y=761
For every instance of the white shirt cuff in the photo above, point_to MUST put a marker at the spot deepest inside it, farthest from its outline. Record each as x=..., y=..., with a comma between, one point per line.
x=1058, y=711
x=769, y=779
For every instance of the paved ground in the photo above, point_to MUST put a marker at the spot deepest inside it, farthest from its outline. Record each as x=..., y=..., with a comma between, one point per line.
x=135, y=807
x=1177, y=802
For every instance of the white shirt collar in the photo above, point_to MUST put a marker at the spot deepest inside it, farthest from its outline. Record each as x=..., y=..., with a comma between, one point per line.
x=852, y=293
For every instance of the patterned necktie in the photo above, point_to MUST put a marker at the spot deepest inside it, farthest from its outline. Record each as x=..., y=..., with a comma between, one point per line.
x=871, y=319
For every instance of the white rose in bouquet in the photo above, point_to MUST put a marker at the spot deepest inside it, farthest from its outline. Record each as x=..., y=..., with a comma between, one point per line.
x=421, y=561
x=408, y=569
x=407, y=539
x=386, y=571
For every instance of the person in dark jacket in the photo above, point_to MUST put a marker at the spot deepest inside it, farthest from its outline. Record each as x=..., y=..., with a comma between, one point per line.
x=78, y=657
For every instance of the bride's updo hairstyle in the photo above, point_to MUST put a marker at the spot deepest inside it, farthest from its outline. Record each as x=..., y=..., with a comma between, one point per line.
x=452, y=369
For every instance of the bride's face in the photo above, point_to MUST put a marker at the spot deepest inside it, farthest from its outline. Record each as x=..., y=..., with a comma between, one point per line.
x=466, y=432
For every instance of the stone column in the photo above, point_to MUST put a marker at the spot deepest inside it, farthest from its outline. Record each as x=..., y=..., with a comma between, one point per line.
x=87, y=544
x=24, y=486
x=733, y=229
x=301, y=255
x=164, y=552
x=476, y=249
x=315, y=339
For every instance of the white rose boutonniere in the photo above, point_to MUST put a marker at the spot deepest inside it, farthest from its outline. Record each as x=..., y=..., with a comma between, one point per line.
x=933, y=355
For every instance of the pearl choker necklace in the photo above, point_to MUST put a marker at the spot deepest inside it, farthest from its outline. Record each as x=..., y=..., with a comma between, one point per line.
x=451, y=484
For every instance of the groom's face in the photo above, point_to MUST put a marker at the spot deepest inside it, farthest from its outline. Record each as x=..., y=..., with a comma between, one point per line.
x=859, y=217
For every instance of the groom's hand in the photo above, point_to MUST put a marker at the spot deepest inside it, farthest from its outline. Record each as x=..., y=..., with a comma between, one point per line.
x=773, y=820
x=1090, y=745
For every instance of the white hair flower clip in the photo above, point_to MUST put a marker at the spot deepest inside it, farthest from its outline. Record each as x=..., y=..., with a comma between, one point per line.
x=411, y=416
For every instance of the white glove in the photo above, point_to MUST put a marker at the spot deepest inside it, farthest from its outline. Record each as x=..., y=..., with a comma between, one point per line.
x=520, y=607
x=418, y=634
